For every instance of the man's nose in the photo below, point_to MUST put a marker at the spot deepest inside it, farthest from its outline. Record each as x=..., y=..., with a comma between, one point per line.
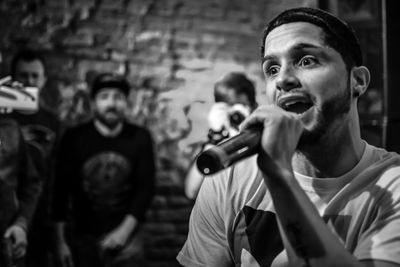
x=111, y=101
x=287, y=79
x=31, y=81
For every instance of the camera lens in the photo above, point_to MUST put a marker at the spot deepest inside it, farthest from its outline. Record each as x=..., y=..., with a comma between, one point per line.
x=236, y=118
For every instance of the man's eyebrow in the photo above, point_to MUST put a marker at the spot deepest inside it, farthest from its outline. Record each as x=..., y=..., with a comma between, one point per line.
x=295, y=48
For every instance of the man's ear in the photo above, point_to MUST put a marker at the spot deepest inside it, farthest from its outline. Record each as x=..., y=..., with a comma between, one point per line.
x=360, y=78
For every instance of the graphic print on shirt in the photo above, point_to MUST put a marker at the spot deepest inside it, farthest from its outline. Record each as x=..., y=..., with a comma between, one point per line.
x=106, y=180
x=259, y=225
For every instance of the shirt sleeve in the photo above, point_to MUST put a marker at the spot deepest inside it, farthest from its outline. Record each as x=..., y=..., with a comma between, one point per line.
x=382, y=239
x=63, y=178
x=143, y=177
x=207, y=243
x=29, y=185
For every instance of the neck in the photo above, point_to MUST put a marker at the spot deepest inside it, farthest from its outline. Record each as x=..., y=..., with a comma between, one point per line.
x=106, y=131
x=334, y=155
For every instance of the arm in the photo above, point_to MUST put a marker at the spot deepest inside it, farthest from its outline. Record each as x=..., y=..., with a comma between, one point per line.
x=193, y=181
x=61, y=193
x=207, y=243
x=303, y=230
x=29, y=183
x=63, y=253
x=194, y=178
x=118, y=237
x=28, y=191
x=64, y=173
x=144, y=183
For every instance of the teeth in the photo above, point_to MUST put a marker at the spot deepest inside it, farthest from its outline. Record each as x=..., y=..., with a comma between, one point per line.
x=293, y=102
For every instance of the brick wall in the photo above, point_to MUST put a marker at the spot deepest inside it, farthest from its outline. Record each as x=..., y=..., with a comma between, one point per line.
x=171, y=52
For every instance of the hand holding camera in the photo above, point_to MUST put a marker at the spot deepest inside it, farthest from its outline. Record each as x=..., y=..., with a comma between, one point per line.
x=224, y=120
x=14, y=95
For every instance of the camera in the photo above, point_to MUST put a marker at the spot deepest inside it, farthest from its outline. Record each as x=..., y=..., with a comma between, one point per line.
x=237, y=114
x=16, y=96
x=236, y=118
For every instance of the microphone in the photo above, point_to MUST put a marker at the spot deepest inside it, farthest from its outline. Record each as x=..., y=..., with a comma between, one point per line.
x=226, y=153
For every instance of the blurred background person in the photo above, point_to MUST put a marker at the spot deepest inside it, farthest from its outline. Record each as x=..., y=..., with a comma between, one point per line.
x=235, y=98
x=106, y=169
x=41, y=129
x=20, y=187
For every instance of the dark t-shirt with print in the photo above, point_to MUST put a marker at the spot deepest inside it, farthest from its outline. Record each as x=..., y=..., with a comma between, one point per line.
x=105, y=177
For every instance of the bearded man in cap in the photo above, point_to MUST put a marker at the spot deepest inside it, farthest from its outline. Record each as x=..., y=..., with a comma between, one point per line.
x=106, y=169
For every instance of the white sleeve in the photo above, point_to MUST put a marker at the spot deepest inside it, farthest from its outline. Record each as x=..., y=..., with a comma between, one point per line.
x=207, y=243
x=382, y=239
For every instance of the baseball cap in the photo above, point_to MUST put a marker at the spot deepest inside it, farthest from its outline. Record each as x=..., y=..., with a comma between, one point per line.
x=110, y=80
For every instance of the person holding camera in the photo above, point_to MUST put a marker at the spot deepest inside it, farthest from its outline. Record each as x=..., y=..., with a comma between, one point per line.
x=41, y=129
x=235, y=98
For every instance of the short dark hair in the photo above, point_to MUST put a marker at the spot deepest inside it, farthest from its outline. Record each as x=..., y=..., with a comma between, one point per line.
x=26, y=55
x=238, y=82
x=338, y=34
x=112, y=80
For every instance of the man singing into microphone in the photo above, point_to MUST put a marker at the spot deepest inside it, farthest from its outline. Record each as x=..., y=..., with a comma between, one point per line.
x=316, y=194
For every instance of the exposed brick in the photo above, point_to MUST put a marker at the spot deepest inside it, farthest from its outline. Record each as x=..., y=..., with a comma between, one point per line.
x=191, y=9
x=227, y=27
x=168, y=189
x=156, y=228
x=57, y=4
x=139, y=7
x=160, y=202
x=82, y=38
x=240, y=14
x=167, y=240
x=111, y=5
x=182, y=228
x=213, y=12
x=164, y=263
x=178, y=202
x=163, y=253
x=174, y=215
x=84, y=3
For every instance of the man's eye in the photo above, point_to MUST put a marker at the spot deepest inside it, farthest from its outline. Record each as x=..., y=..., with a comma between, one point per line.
x=307, y=61
x=272, y=70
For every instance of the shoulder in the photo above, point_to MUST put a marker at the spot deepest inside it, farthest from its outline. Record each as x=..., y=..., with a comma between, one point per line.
x=235, y=185
x=79, y=130
x=385, y=172
x=385, y=164
x=136, y=130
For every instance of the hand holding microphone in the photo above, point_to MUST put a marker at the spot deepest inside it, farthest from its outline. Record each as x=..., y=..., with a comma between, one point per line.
x=228, y=152
x=269, y=128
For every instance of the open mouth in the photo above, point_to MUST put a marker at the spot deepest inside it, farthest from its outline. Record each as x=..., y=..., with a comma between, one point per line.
x=295, y=103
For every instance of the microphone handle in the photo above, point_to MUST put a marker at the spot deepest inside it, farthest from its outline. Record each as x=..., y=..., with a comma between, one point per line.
x=228, y=152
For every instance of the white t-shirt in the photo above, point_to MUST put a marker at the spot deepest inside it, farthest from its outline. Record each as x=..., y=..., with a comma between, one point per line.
x=233, y=222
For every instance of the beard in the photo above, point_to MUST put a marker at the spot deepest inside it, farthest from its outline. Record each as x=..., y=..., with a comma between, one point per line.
x=327, y=115
x=110, y=122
